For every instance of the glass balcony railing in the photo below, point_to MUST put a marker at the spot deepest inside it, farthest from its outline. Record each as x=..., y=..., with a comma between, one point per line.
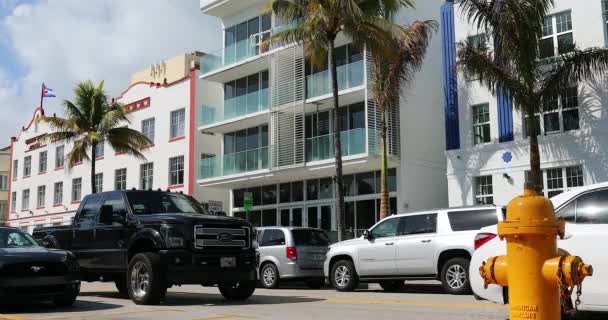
x=236, y=107
x=349, y=76
x=234, y=163
x=322, y=147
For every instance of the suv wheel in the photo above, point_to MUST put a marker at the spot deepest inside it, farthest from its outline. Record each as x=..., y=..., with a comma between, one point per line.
x=68, y=297
x=146, y=282
x=269, y=276
x=344, y=276
x=392, y=286
x=121, y=286
x=239, y=291
x=455, y=276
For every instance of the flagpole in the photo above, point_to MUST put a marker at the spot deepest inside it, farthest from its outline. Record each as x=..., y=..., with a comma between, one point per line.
x=41, y=95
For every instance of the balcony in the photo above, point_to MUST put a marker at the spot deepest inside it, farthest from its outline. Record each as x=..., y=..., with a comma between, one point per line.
x=322, y=147
x=349, y=76
x=235, y=163
x=240, y=106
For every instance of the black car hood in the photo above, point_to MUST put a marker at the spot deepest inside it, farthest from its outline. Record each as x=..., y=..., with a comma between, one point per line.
x=25, y=254
x=189, y=218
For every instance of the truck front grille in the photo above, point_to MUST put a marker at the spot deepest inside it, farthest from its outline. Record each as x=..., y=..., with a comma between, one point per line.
x=218, y=237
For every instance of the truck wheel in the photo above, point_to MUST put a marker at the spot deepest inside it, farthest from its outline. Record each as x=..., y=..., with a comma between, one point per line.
x=392, y=286
x=343, y=276
x=455, y=276
x=121, y=285
x=68, y=297
x=146, y=281
x=239, y=291
x=269, y=276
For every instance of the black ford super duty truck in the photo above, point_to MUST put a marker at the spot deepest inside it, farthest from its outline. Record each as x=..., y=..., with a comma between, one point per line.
x=148, y=241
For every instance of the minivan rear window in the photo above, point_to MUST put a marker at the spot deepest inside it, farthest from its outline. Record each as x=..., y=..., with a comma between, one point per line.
x=472, y=219
x=310, y=238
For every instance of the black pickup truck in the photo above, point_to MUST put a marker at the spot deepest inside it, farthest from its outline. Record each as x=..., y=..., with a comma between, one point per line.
x=148, y=241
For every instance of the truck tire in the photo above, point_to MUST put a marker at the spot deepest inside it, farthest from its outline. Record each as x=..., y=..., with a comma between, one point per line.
x=146, y=282
x=269, y=276
x=239, y=291
x=455, y=276
x=68, y=297
x=121, y=286
x=343, y=276
x=392, y=286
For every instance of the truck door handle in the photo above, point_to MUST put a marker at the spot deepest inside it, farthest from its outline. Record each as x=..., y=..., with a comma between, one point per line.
x=426, y=241
x=389, y=243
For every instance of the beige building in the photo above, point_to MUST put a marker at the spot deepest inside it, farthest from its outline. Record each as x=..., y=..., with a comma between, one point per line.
x=5, y=155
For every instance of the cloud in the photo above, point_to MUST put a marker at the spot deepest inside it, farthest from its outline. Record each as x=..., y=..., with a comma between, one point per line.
x=62, y=42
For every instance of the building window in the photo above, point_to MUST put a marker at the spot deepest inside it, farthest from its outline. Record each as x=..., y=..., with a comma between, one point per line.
x=14, y=201
x=560, y=113
x=3, y=182
x=76, y=189
x=42, y=162
x=246, y=95
x=41, y=200
x=146, y=176
x=176, y=171
x=484, y=192
x=99, y=150
x=178, y=123
x=15, y=169
x=58, y=193
x=559, y=180
x=27, y=166
x=246, y=150
x=557, y=36
x=3, y=209
x=255, y=30
x=120, y=179
x=478, y=42
x=59, y=156
x=25, y=199
x=99, y=182
x=147, y=128
x=481, y=123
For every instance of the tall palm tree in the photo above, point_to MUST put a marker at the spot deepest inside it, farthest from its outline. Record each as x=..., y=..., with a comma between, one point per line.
x=319, y=24
x=92, y=120
x=391, y=76
x=513, y=66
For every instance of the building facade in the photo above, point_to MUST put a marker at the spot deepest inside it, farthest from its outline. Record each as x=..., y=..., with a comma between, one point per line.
x=272, y=110
x=5, y=161
x=488, y=150
x=161, y=103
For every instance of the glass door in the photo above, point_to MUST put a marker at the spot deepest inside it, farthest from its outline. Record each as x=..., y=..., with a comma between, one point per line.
x=291, y=217
x=320, y=217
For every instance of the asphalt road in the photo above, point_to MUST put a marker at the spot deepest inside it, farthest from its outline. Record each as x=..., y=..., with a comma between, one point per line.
x=100, y=301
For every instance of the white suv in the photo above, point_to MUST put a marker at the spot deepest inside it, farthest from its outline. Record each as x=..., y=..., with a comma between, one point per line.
x=435, y=244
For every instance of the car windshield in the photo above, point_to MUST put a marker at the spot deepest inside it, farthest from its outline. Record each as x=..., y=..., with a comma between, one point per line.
x=11, y=238
x=162, y=202
x=310, y=238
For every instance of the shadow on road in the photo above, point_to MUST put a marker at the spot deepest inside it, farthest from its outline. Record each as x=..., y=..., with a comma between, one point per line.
x=42, y=307
x=414, y=288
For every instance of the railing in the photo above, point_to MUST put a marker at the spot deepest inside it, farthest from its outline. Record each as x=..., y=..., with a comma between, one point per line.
x=234, y=163
x=236, y=107
x=322, y=147
x=349, y=76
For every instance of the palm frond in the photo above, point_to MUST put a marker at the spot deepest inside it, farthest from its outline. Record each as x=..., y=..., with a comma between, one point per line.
x=566, y=70
x=78, y=153
x=114, y=116
x=127, y=140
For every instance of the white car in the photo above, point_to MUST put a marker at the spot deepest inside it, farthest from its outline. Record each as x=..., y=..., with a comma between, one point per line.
x=586, y=211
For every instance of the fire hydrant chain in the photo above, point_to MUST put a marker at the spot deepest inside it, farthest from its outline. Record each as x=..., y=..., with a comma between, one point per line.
x=565, y=292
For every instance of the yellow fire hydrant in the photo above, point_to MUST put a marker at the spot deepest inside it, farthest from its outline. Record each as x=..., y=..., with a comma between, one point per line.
x=532, y=269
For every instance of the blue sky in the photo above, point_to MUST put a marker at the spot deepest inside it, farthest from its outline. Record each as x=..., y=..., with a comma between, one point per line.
x=62, y=42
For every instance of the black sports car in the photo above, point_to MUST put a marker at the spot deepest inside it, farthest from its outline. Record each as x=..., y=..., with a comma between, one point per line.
x=29, y=271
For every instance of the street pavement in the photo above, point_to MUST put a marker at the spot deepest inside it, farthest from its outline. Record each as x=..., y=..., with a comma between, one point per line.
x=420, y=301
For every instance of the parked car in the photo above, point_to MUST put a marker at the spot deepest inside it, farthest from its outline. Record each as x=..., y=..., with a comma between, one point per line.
x=29, y=271
x=585, y=210
x=292, y=254
x=148, y=241
x=430, y=245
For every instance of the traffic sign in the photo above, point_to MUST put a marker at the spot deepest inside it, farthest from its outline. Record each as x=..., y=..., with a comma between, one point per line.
x=248, y=201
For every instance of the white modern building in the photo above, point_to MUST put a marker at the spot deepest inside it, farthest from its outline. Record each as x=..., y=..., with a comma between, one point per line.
x=488, y=156
x=272, y=110
x=161, y=103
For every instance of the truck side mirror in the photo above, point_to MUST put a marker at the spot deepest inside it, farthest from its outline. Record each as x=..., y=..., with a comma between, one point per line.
x=106, y=214
x=368, y=235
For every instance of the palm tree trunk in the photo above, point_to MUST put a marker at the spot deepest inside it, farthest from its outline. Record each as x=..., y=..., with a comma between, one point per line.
x=535, y=180
x=93, y=159
x=339, y=181
x=385, y=203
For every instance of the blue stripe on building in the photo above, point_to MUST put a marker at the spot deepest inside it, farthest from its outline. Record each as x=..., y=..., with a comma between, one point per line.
x=450, y=83
x=505, y=116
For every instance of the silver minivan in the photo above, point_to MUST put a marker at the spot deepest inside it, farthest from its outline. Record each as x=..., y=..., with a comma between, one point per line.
x=292, y=254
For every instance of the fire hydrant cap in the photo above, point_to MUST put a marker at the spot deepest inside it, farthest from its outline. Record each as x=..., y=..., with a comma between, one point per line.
x=530, y=207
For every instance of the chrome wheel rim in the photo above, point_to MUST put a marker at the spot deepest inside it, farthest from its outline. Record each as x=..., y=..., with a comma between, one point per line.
x=456, y=276
x=342, y=276
x=140, y=280
x=269, y=276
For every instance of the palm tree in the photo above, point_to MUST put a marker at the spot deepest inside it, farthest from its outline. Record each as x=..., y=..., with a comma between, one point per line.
x=91, y=120
x=391, y=76
x=319, y=22
x=513, y=67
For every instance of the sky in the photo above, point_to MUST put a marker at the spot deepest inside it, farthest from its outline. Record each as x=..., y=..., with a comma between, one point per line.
x=62, y=42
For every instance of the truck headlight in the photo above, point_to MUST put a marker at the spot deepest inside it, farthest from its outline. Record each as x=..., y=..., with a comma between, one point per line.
x=173, y=237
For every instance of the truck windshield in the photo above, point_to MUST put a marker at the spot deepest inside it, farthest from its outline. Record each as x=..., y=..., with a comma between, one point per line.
x=160, y=202
x=11, y=238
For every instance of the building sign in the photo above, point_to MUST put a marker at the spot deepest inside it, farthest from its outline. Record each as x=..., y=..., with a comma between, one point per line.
x=215, y=206
x=138, y=105
x=248, y=201
x=35, y=143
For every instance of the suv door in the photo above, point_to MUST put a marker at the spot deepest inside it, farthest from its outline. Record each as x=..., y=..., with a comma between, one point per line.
x=111, y=238
x=377, y=254
x=587, y=224
x=415, y=252
x=83, y=232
